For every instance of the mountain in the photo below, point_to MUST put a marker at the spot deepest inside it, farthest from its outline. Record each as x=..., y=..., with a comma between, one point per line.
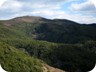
x=56, y=30
x=59, y=43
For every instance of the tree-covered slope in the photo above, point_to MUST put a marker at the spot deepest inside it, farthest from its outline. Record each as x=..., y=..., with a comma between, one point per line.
x=26, y=34
x=69, y=57
x=64, y=31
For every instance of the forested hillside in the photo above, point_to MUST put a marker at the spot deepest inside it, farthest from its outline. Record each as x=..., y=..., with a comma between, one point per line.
x=27, y=41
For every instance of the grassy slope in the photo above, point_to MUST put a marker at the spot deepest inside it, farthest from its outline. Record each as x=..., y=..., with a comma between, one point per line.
x=14, y=60
x=11, y=58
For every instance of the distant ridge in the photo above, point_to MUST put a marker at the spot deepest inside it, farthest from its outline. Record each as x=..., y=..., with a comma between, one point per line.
x=35, y=19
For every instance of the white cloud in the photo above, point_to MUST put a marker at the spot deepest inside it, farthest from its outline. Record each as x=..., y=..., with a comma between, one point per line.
x=48, y=9
x=2, y=1
x=87, y=7
x=11, y=6
x=64, y=15
x=75, y=17
x=94, y=2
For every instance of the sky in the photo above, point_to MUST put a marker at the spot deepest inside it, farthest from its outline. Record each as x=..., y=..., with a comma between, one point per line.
x=82, y=11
